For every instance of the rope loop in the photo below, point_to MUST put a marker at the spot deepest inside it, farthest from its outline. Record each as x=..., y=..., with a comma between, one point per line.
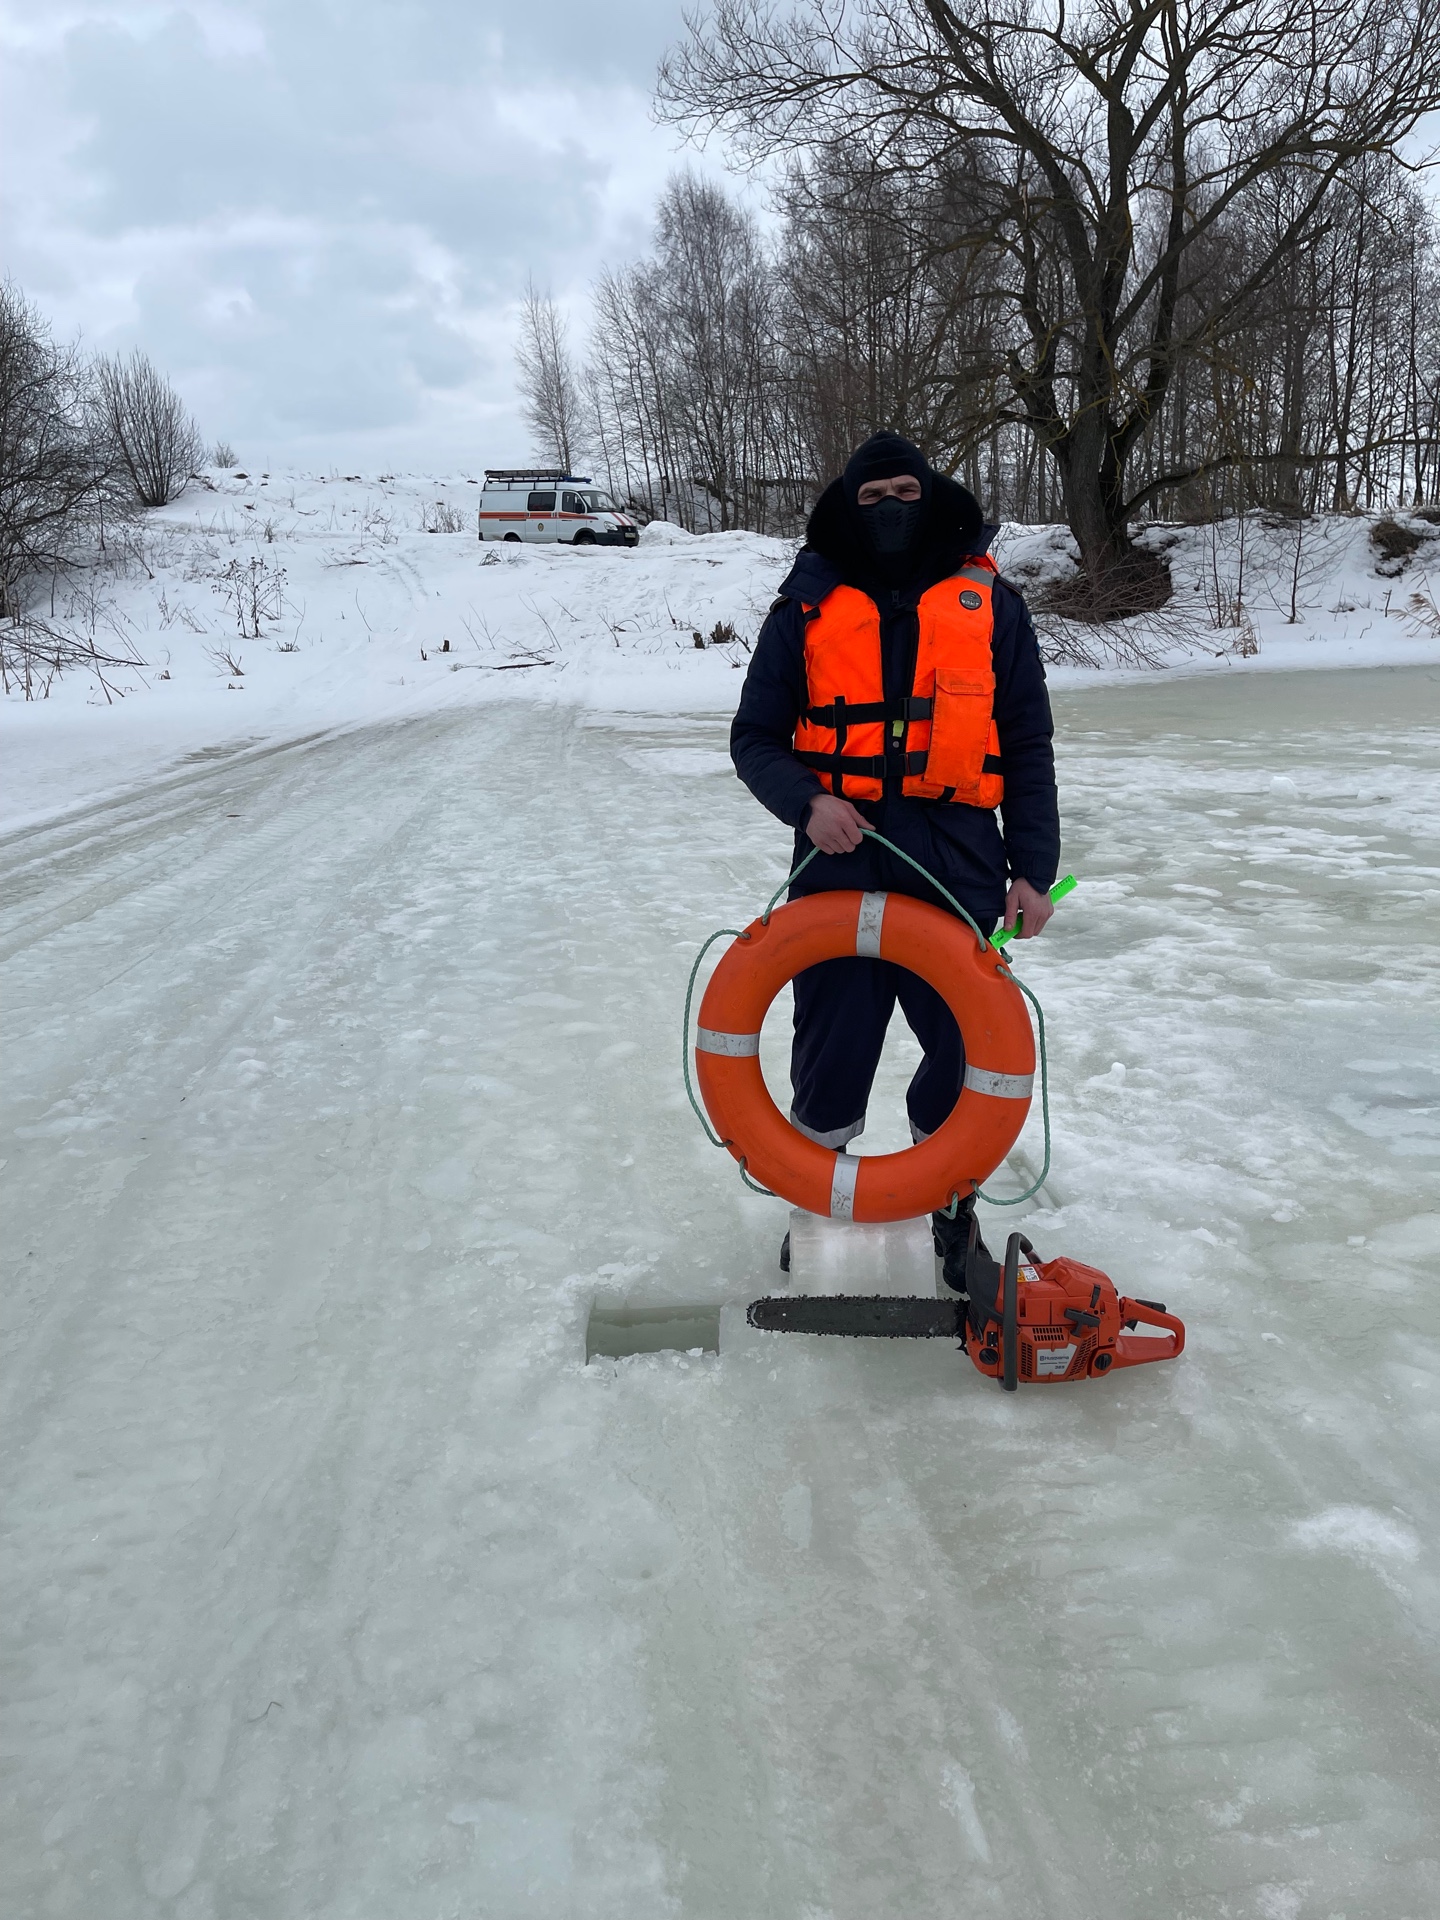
x=696, y=1108
x=1014, y=1201
x=785, y=886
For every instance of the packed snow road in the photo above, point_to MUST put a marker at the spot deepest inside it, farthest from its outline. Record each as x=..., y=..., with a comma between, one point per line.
x=342, y=1079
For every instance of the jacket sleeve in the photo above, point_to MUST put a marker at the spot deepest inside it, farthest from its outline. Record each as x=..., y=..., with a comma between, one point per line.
x=763, y=731
x=1030, y=811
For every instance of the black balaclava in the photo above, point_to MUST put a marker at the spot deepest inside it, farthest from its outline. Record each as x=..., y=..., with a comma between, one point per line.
x=891, y=528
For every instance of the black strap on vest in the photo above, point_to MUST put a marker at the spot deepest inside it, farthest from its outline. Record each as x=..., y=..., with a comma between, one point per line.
x=863, y=766
x=877, y=766
x=861, y=713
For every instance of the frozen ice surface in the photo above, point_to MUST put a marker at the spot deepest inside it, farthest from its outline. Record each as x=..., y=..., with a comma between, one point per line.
x=341, y=1079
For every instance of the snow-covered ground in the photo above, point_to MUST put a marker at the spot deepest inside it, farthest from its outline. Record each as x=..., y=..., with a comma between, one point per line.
x=358, y=602
x=342, y=1079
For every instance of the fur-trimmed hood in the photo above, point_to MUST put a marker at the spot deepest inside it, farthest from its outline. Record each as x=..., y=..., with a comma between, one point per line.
x=835, y=550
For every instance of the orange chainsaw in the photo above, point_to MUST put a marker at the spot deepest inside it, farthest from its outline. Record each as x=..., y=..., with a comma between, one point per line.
x=1029, y=1319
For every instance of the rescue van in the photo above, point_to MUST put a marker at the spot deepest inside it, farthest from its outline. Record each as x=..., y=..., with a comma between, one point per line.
x=535, y=504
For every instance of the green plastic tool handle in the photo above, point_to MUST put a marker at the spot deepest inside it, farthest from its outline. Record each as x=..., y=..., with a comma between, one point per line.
x=1002, y=936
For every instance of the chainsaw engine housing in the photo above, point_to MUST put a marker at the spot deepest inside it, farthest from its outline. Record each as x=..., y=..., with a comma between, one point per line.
x=1053, y=1320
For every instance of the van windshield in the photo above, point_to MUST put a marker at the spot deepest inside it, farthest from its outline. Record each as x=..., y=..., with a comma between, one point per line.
x=598, y=502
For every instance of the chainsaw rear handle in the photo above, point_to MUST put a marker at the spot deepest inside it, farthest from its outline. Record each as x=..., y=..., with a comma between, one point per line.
x=1130, y=1352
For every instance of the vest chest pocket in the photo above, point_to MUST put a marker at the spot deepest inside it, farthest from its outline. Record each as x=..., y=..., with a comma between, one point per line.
x=959, y=731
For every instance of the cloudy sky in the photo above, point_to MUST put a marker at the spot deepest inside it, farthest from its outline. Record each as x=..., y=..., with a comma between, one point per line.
x=318, y=215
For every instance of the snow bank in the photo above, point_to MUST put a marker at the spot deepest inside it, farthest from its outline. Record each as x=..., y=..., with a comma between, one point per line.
x=368, y=610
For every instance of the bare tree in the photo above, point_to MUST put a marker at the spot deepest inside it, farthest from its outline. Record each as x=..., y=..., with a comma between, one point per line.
x=1115, y=142
x=53, y=482
x=712, y=293
x=143, y=419
x=684, y=382
x=547, y=379
x=629, y=388
x=878, y=286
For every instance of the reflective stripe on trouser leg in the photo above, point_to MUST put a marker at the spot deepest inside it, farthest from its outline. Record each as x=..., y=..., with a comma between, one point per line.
x=837, y=1137
x=842, y=1186
x=867, y=927
x=1002, y=1086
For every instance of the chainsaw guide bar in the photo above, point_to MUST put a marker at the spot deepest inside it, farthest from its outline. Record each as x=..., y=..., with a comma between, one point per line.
x=860, y=1316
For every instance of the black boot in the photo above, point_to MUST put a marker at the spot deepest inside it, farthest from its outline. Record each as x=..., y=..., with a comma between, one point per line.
x=967, y=1258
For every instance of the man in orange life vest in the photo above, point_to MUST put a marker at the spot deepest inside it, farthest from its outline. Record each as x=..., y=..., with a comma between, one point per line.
x=897, y=684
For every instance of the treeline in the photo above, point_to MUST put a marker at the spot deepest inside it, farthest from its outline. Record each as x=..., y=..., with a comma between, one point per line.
x=1104, y=265
x=727, y=375
x=84, y=442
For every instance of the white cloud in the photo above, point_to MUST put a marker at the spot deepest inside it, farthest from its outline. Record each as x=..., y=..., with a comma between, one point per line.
x=319, y=218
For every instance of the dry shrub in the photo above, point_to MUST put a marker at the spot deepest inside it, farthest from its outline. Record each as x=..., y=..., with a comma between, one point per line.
x=1125, y=618
x=1098, y=643
x=226, y=661
x=35, y=653
x=142, y=419
x=1137, y=583
x=1394, y=542
x=1143, y=640
x=1423, y=615
x=255, y=592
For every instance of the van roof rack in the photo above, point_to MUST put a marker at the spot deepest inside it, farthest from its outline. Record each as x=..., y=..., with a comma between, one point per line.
x=532, y=474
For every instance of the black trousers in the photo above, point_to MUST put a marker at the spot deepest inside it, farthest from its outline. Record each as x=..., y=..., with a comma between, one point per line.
x=842, y=1008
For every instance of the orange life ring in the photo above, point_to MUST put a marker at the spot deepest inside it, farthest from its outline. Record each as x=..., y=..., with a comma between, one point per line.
x=975, y=984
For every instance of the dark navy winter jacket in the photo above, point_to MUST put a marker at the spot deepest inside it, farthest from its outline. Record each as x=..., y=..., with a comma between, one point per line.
x=965, y=847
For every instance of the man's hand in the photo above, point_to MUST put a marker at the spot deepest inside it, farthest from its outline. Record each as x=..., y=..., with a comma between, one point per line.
x=1037, y=908
x=834, y=825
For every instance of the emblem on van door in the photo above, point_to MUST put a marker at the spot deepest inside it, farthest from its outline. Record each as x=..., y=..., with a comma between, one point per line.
x=969, y=598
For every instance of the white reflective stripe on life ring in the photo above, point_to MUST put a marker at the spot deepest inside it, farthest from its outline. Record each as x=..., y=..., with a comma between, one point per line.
x=1003, y=1086
x=708, y=1040
x=867, y=927
x=842, y=1186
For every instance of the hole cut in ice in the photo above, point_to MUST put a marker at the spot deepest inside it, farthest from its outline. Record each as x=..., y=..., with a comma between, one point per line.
x=615, y=1332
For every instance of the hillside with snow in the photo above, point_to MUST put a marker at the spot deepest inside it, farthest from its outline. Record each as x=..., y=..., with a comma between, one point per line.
x=262, y=606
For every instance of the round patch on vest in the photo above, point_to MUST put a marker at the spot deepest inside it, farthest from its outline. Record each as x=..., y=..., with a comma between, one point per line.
x=969, y=598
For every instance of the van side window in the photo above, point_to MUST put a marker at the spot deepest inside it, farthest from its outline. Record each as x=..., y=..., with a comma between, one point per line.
x=541, y=502
x=574, y=504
